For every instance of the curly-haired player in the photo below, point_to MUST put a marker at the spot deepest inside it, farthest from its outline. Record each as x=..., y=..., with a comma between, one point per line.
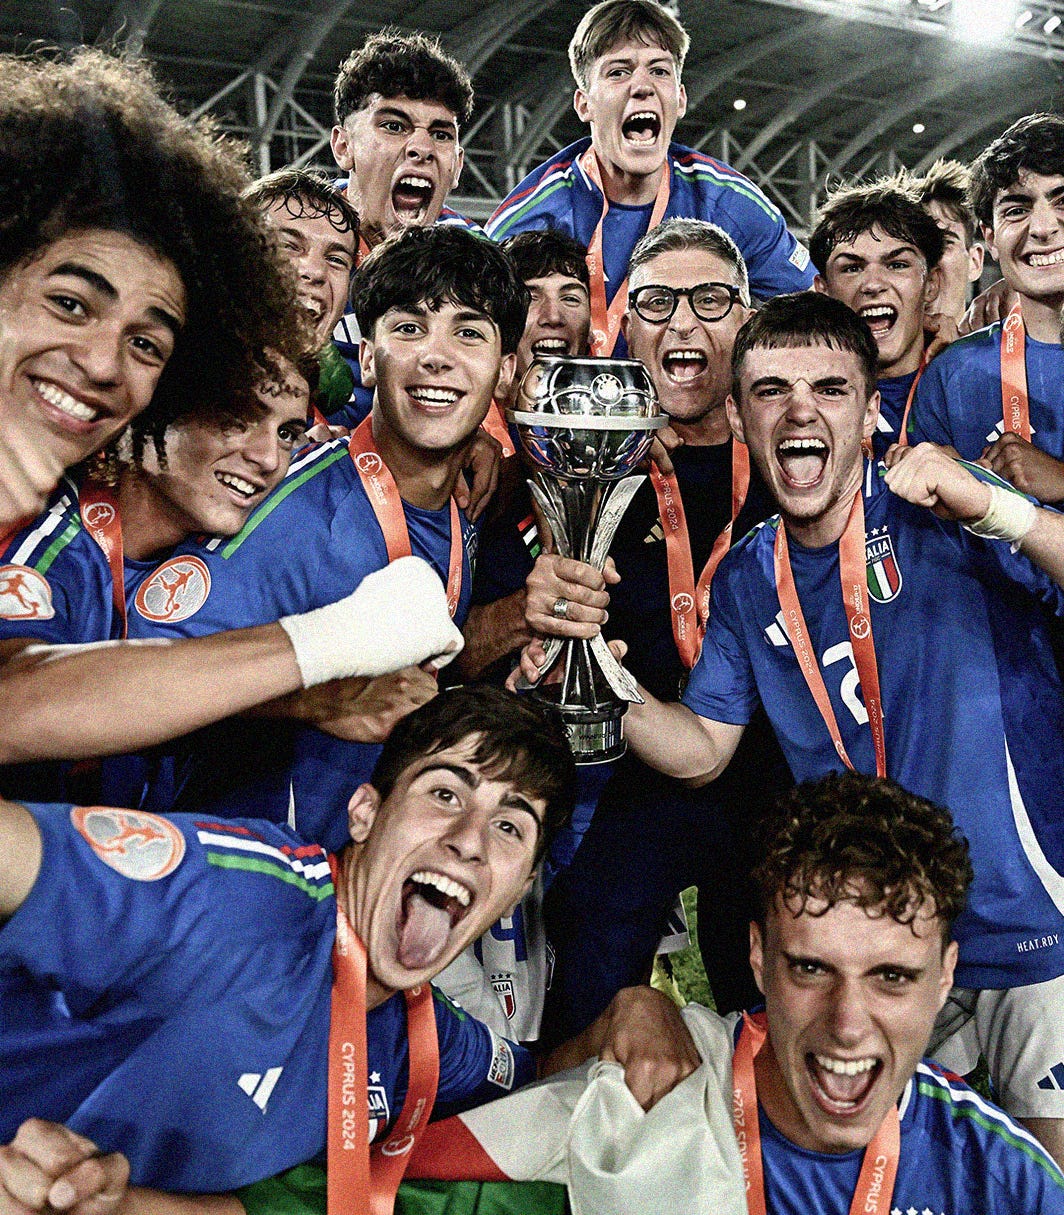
x=131, y=271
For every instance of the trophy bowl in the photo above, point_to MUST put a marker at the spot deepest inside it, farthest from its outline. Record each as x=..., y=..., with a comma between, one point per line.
x=584, y=426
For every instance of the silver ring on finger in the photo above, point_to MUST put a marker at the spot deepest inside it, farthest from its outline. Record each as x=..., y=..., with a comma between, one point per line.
x=561, y=608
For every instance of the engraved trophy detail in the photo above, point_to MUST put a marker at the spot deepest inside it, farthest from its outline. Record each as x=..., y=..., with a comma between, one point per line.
x=584, y=425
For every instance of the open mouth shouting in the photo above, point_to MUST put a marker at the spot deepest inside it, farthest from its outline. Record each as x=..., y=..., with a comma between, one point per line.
x=73, y=410
x=551, y=346
x=641, y=128
x=684, y=365
x=432, y=905
x=880, y=318
x=842, y=1087
x=802, y=461
x=412, y=195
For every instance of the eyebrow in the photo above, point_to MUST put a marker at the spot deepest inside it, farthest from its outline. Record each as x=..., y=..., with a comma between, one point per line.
x=395, y=112
x=1021, y=195
x=106, y=288
x=471, y=778
x=775, y=381
x=858, y=257
x=798, y=959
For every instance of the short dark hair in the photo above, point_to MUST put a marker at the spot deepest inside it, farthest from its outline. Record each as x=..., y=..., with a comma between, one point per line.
x=305, y=192
x=949, y=183
x=612, y=21
x=519, y=739
x=806, y=318
x=435, y=264
x=682, y=235
x=865, y=840
x=544, y=252
x=1033, y=144
x=851, y=210
x=90, y=142
x=397, y=64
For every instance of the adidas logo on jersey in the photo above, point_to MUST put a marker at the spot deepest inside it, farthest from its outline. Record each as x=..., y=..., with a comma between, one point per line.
x=914, y=1211
x=999, y=430
x=1054, y=1079
x=259, y=1087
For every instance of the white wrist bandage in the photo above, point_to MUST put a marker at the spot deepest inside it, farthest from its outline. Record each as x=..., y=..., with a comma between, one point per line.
x=1009, y=517
x=396, y=618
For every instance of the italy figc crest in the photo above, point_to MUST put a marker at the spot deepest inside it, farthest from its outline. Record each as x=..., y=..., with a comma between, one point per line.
x=884, y=576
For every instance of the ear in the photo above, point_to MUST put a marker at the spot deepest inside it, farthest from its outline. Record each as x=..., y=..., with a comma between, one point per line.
x=681, y=107
x=932, y=286
x=365, y=362
x=459, y=162
x=975, y=261
x=734, y=420
x=871, y=415
x=624, y=326
x=820, y=285
x=342, y=148
x=988, y=237
x=583, y=111
x=757, y=956
x=362, y=812
x=949, y=962
x=504, y=381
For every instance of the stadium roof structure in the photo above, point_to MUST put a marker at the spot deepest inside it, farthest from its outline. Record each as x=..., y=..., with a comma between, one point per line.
x=795, y=93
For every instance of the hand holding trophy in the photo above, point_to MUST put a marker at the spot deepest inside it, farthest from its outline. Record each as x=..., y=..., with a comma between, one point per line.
x=585, y=425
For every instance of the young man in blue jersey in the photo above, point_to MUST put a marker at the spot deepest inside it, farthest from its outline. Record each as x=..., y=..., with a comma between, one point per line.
x=945, y=193
x=627, y=57
x=878, y=250
x=201, y=474
x=442, y=312
x=780, y=634
x=860, y=883
x=318, y=229
x=1018, y=198
x=131, y=273
x=219, y=978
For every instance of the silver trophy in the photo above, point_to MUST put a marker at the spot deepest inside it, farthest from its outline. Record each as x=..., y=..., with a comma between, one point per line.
x=585, y=424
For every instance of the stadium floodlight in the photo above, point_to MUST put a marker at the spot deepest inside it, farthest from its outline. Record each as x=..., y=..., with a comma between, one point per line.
x=739, y=103
x=1051, y=25
x=918, y=128
x=984, y=20
x=1024, y=18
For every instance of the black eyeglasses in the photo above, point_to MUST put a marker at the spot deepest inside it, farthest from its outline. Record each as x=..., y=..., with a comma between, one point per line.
x=709, y=301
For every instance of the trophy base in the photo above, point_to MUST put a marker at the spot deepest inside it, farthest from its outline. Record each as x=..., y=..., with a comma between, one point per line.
x=595, y=736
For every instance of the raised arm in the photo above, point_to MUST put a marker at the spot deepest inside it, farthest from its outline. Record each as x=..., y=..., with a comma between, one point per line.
x=675, y=740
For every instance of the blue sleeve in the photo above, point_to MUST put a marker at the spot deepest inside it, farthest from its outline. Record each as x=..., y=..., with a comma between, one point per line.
x=776, y=262
x=929, y=418
x=476, y=1065
x=70, y=604
x=722, y=686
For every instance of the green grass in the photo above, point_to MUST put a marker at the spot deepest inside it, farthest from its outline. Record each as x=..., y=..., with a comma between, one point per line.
x=686, y=964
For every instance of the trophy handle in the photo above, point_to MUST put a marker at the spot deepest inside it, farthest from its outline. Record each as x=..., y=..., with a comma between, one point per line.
x=552, y=513
x=610, y=518
x=621, y=682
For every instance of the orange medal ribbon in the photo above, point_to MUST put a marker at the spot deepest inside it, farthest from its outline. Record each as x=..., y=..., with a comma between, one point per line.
x=903, y=429
x=99, y=514
x=1015, y=407
x=383, y=494
x=688, y=603
x=879, y=1168
x=853, y=572
x=495, y=424
x=363, y=1180
x=606, y=321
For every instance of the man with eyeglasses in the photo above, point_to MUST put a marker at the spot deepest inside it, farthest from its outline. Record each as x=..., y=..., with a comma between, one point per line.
x=689, y=296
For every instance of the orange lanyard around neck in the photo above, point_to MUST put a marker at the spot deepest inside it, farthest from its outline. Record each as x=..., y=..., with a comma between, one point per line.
x=606, y=321
x=879, y=1168
x=688, y=603
x=99, y=514
x=383, y=495
x=363, y=1180
x=903, y=428
x=1015, y=406
x=853, y=572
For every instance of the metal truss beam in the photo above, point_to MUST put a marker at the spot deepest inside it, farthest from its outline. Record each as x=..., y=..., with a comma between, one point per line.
x=129, y=24
x=476, y=40
x=992, y=119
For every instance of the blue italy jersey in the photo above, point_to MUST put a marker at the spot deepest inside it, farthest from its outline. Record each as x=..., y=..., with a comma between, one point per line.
x=893, y=393
x=193, y=966
x=972, y=703
x=560, y=195
x=959, y=398
x=311, y=542
x=959, y=1155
